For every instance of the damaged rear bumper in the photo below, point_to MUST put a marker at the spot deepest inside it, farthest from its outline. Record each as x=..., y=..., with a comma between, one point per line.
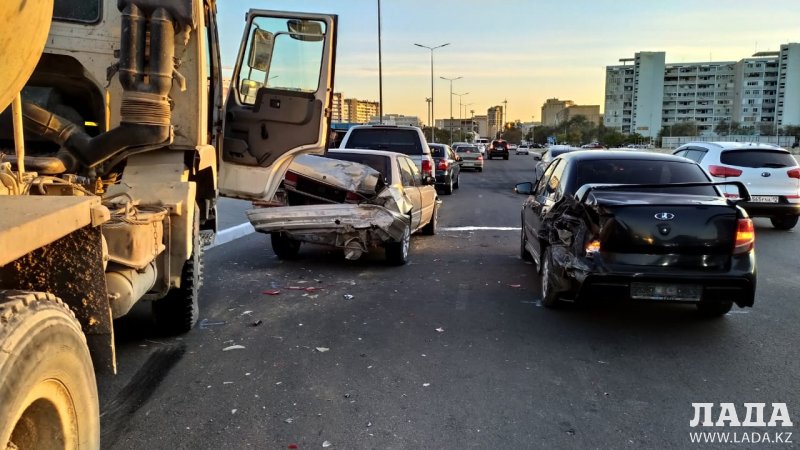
x=355, y=228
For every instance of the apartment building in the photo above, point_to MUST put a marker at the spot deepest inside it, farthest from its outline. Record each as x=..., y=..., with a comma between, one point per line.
x=591, y=112
x=360, y=111
x=494, y=117
x=340, y=111
x=551, y=108
x=645, y=94
x=397, y=120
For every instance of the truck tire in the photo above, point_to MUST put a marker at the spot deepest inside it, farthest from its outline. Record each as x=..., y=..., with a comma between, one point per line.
x=284, y=246
x=178, y=311
x=397, y=252
x=48, y=395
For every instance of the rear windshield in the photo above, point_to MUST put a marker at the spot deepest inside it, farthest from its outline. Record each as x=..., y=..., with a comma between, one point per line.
x=635, y=171
x=437, y=150
x=393, y=140
x=467, y=149
x=757, y=158
x=377, y=162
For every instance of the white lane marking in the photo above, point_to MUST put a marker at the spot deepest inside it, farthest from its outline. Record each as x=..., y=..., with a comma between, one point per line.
x=480, y=228
x=232, y=233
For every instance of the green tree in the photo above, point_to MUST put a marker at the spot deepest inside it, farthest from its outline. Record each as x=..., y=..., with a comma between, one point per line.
x=723, y=128
x=684, y=129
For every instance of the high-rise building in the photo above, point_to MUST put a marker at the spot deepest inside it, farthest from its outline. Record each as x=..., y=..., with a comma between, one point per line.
x=339, y=108
x=649, y=94
x=495, y=121
x=551, y=108
x=400, y=120
x=360, y=111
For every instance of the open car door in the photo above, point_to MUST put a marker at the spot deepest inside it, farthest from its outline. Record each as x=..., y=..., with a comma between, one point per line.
x=278, y=105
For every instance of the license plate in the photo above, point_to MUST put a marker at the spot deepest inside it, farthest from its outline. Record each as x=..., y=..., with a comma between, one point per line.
x=666, y=292
x=764, y=198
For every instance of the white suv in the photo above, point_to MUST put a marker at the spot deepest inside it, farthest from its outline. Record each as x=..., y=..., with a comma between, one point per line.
x=770, y=173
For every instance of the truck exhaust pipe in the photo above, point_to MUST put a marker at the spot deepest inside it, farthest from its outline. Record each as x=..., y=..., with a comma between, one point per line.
x=145, y=114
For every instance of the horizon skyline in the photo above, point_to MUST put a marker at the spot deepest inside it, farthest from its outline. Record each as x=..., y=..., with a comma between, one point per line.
x=524, y=62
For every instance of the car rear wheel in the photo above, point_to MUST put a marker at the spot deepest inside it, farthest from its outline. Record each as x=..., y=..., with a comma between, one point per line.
x=784, y=222
x=448, y=188
x=715, y=308
x=284, y=246
x=523, y=251
x=550, y=297
x=397, y=252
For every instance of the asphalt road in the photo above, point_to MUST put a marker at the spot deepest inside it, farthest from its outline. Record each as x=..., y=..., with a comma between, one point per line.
x=449, y=351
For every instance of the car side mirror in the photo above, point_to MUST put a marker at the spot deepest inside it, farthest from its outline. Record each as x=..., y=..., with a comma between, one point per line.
x=537, y=157
x=525, y=188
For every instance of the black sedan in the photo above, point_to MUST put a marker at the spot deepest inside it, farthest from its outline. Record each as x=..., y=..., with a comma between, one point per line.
x=448, y=167
x=639, y=226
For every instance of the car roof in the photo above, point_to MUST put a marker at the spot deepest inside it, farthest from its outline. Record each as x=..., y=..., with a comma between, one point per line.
x=727, y=145
x=366, y=152
x=594, y=155
x=391, y=127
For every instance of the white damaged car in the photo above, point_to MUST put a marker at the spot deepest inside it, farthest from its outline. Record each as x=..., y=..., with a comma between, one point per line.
x=355, y=200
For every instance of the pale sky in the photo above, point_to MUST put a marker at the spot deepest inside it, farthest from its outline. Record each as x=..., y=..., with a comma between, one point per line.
x=521, y=50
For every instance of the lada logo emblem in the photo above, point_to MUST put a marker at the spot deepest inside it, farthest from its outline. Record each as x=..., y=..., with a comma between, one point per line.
x=766, y=174
x=665, y=216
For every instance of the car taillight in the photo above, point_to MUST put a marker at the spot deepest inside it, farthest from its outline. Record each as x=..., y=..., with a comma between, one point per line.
x=442, y=165
x=724, y=172
x=745, y=237
x=592, y=247
x=479, y=158
x=794, y=173
x=290, y=179
x=352, y=197
x=426, y=167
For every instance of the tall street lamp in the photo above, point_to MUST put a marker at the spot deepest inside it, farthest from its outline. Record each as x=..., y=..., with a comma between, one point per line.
x=460, y=117
x=451, y=104
x=433, y=116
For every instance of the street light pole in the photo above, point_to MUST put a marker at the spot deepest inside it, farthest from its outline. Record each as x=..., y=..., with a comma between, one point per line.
x=460, y=123
x=380, y=69
x=451, y=104
x=433, y=114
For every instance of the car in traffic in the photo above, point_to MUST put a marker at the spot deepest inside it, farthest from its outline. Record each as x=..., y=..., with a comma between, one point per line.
x=522, y=149
x=770, y=173
x=640, y=226
x=448, y=167
x=498, y=148
x=481, y=148
x=407, y=140
x=471, y=157
x=548, y=156
x=355, y=200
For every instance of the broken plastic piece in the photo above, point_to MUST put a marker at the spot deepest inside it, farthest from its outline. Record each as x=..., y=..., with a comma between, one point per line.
x=233, y=347
x=272, y=292
x=326, y=444
x=322, y=349
x=292, y=446
x=515, y=285
x=257, y=323
x=440, y=330
x=348, y=297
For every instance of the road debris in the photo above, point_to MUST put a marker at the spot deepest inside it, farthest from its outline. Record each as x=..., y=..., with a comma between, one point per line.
x=515, y=285
x=205, y=323
x=292, y=446
x=272, y=292
x=246, y=313
x=233, y=411
x=440, y=330
x=233, y=347
x=288, y=420
x=348, y=296
x=326, y=444
x=323, y=349
x=257, y=323
x=425, y=384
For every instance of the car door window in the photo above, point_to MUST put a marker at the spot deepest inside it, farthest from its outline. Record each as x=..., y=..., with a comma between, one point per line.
x=541, y=188
x=555, y=186
x=406, y=175
x=416, y=176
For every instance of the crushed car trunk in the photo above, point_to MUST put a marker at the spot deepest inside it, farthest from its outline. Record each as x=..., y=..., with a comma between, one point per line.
x=338, y=203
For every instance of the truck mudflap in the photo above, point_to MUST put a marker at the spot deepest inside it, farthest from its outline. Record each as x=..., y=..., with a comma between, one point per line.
x=347, y=226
